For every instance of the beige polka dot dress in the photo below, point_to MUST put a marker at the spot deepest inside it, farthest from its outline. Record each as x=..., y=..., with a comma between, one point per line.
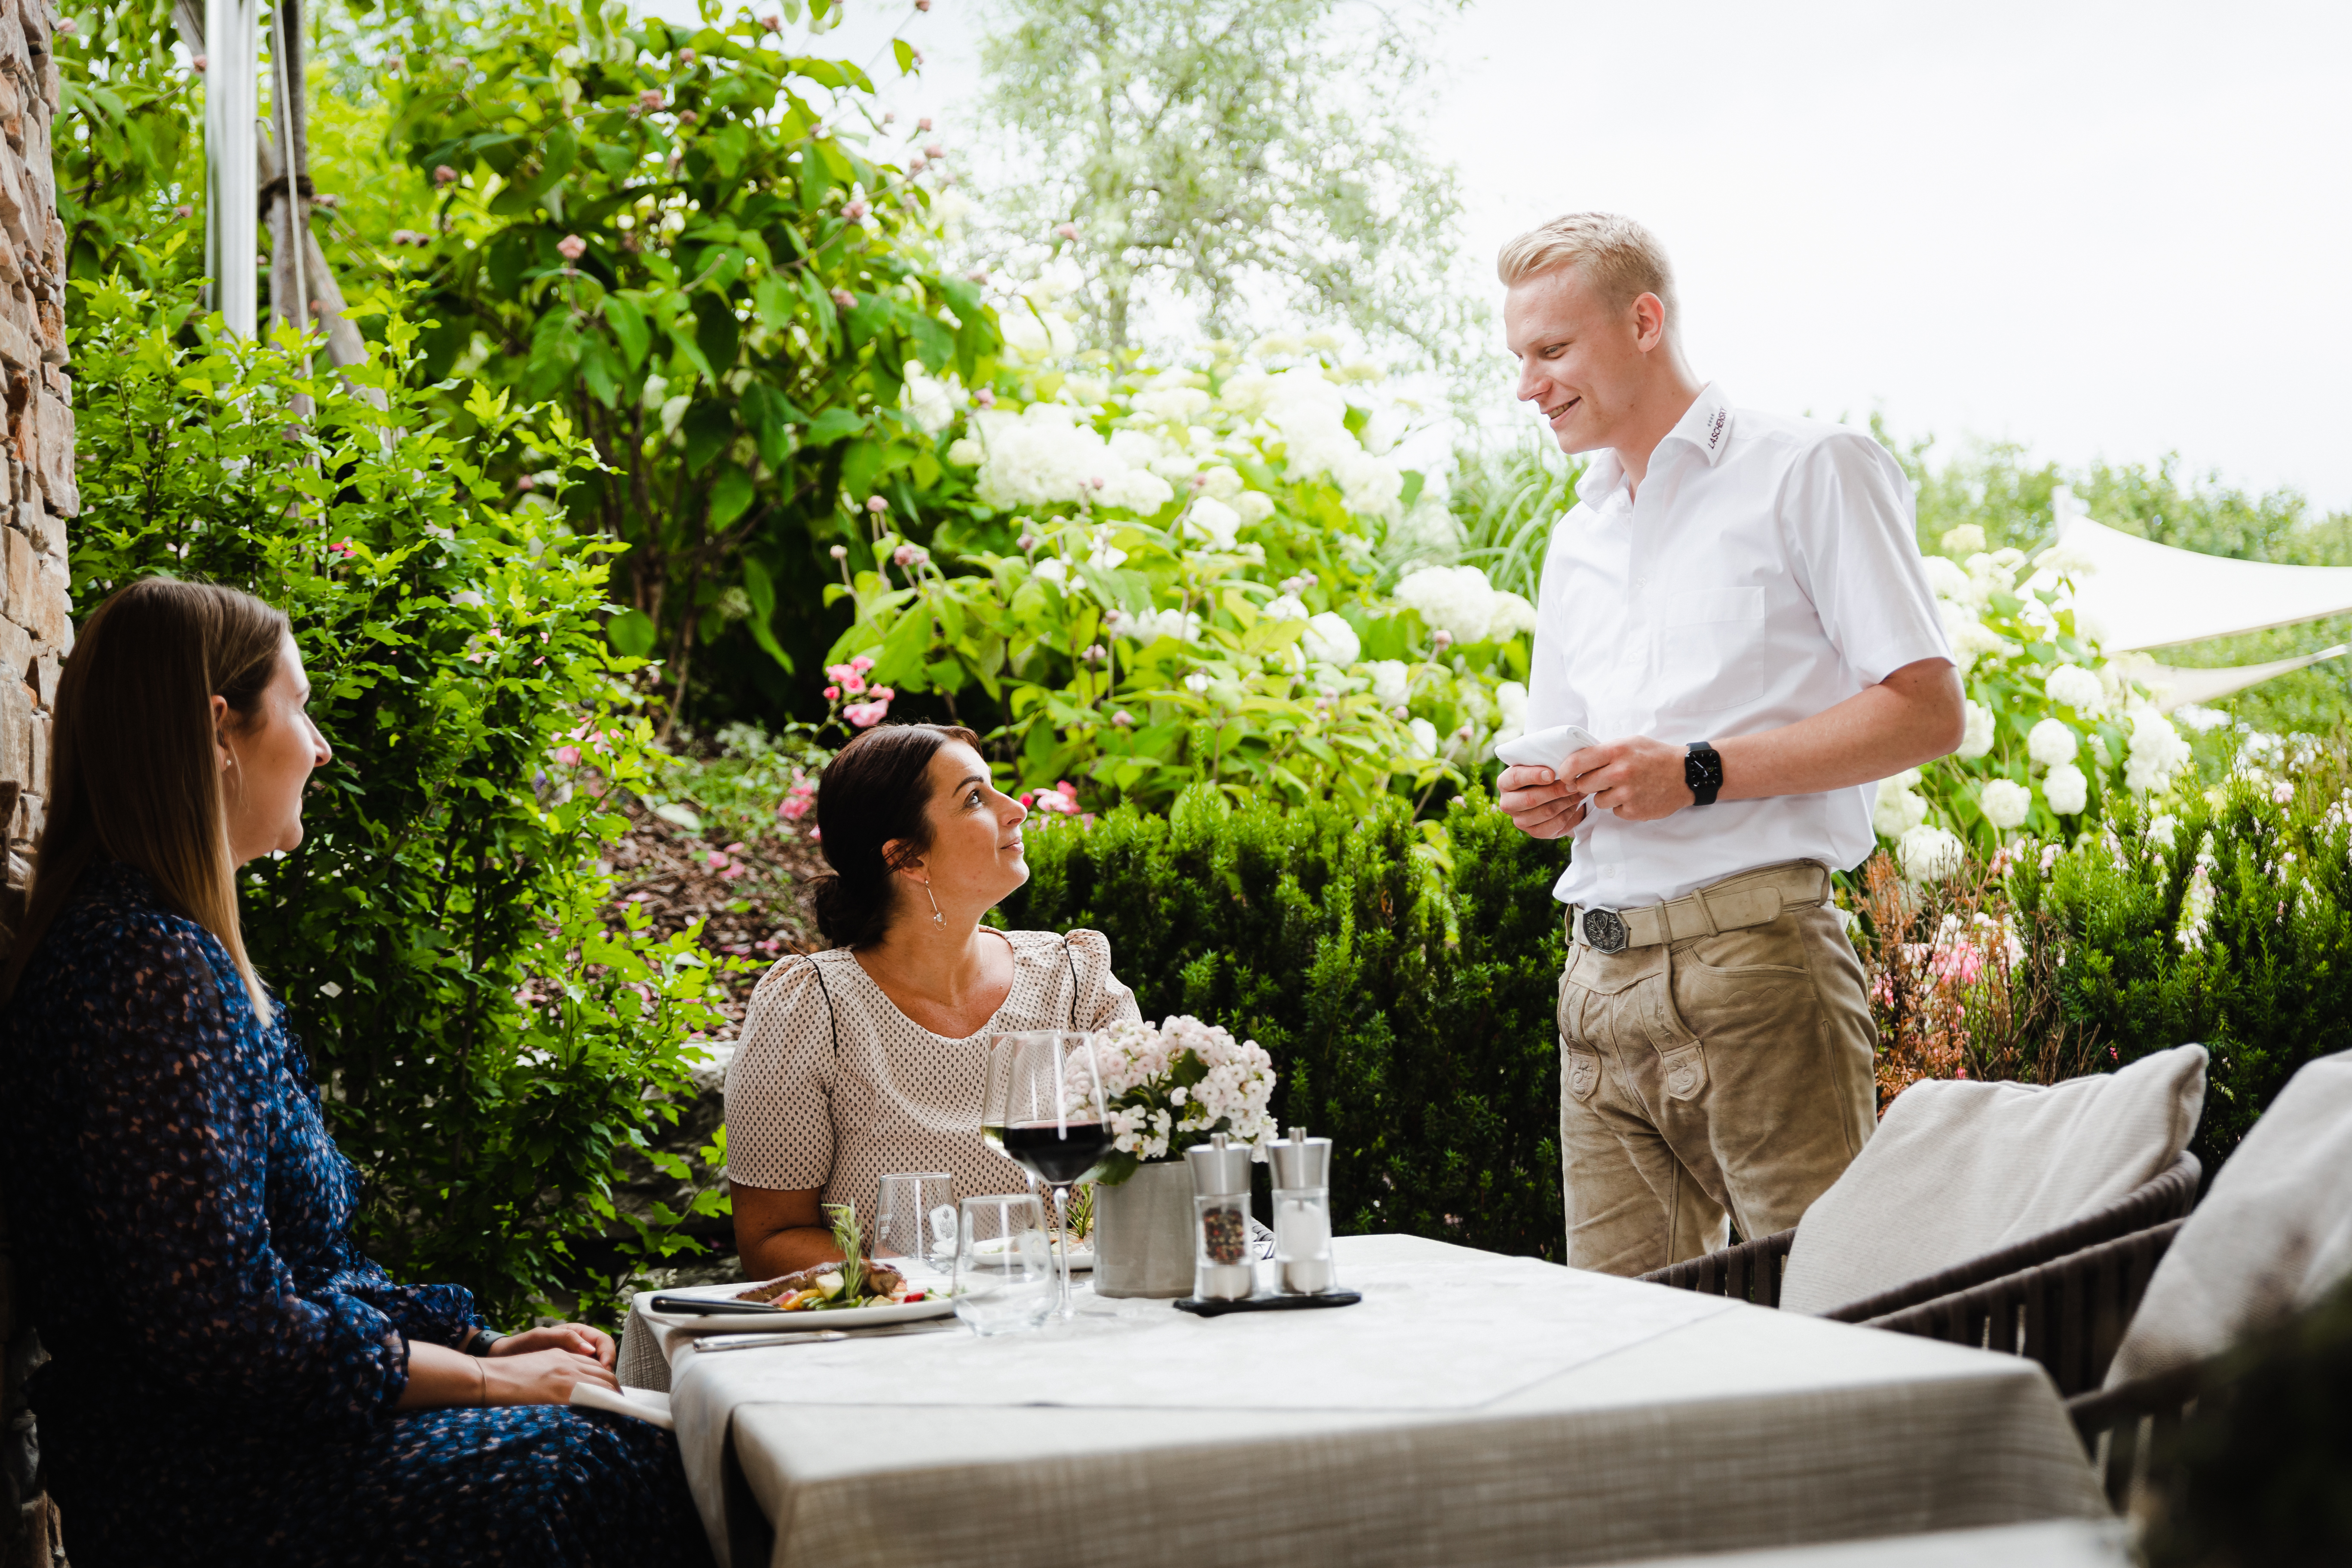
x=831, y=1087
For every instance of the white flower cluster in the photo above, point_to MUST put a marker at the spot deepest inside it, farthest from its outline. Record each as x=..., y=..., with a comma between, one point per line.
x=2005, y=803
x=1310, y=413
x=1901, y=808
x=1152, y=1117
x=1929, y=854
x=1461, y=602
x=1043, y=454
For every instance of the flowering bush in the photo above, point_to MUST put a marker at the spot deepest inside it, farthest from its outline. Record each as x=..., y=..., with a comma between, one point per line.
x=2054, y=727
x=1168, y=1088
x=1173, y=575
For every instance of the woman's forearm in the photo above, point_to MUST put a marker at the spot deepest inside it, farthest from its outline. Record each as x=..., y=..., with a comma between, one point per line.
x=439, y=1378
x=782, y=1251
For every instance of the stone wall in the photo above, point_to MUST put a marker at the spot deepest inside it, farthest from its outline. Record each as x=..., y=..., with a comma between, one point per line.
x=35, y=624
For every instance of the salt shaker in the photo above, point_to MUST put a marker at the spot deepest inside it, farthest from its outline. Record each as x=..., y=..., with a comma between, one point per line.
x=1302, y=1215
x=1222, y=1270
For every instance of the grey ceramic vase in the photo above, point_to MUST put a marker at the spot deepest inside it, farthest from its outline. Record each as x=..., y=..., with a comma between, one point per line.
x=1143, y=1233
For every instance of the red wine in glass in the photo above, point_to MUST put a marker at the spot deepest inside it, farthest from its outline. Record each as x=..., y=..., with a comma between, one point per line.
x=1056, y=1154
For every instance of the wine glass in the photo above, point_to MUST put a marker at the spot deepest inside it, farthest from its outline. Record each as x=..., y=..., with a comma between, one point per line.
x=914, y=1222
x=1003, y=1265
x=1044, y=1111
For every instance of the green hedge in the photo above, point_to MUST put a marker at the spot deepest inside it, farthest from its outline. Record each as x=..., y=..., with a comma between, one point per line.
x=1403, y=980
x=2258, y=968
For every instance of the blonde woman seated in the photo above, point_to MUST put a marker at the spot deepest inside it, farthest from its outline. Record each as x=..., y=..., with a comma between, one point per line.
x=871, y=1059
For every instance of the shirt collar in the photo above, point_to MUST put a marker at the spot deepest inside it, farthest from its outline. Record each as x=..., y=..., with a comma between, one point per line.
x=1705, y=426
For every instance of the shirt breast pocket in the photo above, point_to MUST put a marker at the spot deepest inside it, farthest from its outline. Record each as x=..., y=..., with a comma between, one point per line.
x=1711, y=649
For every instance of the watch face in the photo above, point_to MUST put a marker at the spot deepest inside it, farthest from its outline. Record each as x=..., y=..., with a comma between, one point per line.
x=1703, y=769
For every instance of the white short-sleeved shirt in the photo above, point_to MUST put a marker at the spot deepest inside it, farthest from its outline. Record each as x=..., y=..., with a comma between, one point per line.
x=831, y=1087
x=1767, y=570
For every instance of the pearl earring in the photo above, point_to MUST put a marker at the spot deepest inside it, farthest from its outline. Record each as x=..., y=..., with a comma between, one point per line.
x=937, y=919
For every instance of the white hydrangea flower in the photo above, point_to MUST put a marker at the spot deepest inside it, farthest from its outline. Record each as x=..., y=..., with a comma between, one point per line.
x=1511, y=701
x=2071, y=686
x=1139, y=490
x=965, y=453
x=1215, y=521
x=2066, y=560
x=1181, y=625
x=930, y=401
x=1137, y=449
x=1391, y=681
x=2005, y=803
x=1224, y=482
x=2066, y=789
x=1513, y=614
x=1949, y=580
x=1176, y=405
x=1964, y=540
x=1332, y=640
x=2156, y=752
x=1457, y=600
x=1253, y=507
x=1929, y=854
x=1424, y=739
x=2052, y=742
x=1976, y=740
x=1285, y=607
x=1898, y=811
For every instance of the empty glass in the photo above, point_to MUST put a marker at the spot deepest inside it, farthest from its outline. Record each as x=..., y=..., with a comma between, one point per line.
x=915, y=1224
x=1005, y=1278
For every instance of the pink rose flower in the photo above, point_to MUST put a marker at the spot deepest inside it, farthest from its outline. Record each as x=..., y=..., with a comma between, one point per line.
x=866, y=715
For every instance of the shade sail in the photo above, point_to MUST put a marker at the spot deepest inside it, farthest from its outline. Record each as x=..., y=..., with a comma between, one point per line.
x=2142, y=594
x=2178, y=687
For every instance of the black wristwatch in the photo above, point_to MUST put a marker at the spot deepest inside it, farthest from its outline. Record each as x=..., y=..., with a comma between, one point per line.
x=482, y=1341
x=1703, y=771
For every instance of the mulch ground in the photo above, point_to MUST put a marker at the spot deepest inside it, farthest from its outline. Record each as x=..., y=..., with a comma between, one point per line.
x=750, y=902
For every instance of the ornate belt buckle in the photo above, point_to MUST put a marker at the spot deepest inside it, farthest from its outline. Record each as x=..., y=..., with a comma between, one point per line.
x=1604, y=931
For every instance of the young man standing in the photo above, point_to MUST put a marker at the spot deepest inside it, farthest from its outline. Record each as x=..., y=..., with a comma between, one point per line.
x=1737, y=608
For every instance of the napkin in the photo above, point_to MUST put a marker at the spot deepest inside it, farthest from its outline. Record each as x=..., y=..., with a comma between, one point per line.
x=645, y=1404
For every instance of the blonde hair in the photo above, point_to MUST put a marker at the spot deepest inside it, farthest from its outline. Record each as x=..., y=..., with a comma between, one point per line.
x=133, y=773
x=1616, y=255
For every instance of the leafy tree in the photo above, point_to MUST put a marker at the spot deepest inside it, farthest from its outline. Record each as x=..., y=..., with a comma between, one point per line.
x=1235, y=154
x=671, y=233
x=128, y=146
x=438, y=939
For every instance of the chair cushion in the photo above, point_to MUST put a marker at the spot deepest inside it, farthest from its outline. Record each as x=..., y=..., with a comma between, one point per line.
x=1956, y=1170
x=2273, y=1234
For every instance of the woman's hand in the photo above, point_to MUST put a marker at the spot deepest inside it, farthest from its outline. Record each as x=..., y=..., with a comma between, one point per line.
x=577, y=1338
x=540, y=1376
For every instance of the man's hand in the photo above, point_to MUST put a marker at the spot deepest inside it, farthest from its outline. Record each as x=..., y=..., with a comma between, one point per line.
x=577, y=1338
x=1539, y=804
x=1636, y=779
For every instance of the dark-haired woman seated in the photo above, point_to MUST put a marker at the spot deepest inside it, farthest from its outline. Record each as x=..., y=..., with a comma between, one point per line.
x=233, y=1381
x=871, y=1059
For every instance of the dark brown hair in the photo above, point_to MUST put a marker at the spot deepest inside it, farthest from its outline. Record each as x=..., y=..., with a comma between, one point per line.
x=872, y=791
x=134, y=774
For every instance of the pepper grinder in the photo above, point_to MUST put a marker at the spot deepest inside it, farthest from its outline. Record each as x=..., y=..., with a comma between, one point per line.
x=1302, y=1215
x=1222, y=1270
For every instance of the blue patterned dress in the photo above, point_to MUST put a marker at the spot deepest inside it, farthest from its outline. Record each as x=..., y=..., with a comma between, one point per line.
x=225, y=1360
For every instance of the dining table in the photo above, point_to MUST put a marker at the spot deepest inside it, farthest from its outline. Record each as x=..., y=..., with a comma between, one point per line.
x=1472, y=1408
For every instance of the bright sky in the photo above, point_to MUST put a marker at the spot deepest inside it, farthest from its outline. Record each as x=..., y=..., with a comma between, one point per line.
x=2104, y=230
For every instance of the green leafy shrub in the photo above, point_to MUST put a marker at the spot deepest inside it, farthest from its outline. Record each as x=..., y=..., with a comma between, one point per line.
x=1174, y=575
x=674, y=231
x=1402, y=978
x=438, y=938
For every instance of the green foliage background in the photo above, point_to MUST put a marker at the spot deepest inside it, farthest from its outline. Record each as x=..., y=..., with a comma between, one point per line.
x=438, y=938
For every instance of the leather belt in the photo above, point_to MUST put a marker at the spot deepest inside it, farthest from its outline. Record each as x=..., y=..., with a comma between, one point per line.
x=1747, y=899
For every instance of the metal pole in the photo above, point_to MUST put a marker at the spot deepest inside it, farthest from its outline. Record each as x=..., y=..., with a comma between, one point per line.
x=297, y=216
x=233, y=208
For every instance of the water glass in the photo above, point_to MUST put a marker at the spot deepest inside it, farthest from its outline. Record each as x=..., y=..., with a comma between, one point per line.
x=1005, y=1277
x=914, y=1223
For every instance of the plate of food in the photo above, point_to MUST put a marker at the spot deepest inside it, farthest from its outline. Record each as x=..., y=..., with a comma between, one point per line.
x=824, y=1296
x=844, y=1295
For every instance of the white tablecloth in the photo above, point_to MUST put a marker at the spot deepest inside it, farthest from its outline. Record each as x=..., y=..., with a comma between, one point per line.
x=1473, y=1409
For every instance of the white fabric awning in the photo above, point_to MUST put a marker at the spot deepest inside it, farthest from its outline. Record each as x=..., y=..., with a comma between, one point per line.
x=2176, y=687
x=2141, y=594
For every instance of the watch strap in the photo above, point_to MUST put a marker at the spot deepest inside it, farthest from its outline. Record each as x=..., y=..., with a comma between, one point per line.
x=482, y=1341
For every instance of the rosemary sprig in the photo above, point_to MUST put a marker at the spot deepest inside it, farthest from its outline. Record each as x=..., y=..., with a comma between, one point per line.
x=850, y=1236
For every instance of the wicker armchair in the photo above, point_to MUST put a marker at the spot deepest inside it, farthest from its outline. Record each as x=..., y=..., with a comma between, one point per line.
x=1752, y=1271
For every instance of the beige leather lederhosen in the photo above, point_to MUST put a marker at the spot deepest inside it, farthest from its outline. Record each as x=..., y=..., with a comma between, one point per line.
x=1716, y=1067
